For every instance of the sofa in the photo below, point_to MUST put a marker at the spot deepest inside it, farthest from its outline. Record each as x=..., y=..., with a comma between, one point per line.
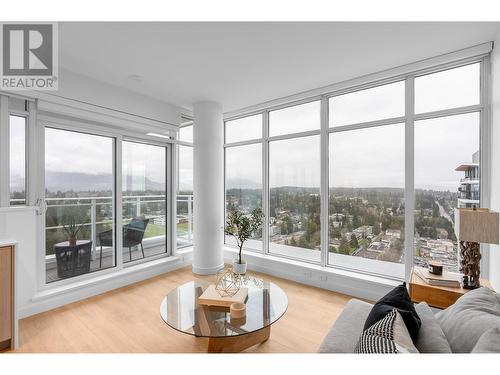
x=471, y=324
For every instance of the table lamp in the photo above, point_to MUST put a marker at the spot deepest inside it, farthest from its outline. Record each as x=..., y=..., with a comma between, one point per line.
x=472, y=227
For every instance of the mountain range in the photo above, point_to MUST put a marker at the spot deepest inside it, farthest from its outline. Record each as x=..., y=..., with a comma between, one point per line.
x=66, y=181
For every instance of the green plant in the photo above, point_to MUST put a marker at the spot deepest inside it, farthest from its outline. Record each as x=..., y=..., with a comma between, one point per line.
x=72, y=229
x=242, y=226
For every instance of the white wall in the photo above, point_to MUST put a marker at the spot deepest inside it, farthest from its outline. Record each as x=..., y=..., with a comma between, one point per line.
x=19, y=224
x=87, y=94
x=495, y=157
x=91, y=91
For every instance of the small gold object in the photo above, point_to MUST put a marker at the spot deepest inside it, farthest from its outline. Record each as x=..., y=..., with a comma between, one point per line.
x=228, y=283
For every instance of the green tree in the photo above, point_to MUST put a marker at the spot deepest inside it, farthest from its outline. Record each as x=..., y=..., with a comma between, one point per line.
x=355, y=221
x=344, y=247
x=283, y=228
x=354, y=241
x=336, y=233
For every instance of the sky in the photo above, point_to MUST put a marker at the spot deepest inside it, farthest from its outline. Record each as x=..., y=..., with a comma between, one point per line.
x=73, y=152
x=185, y=168
x=142, y=163
x=371, y=157
x=18, y=151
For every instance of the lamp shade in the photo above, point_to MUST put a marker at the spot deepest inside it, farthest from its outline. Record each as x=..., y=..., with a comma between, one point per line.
x=480, y=225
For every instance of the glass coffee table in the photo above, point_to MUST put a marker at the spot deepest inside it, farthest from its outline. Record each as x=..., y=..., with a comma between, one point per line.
x=265, y=304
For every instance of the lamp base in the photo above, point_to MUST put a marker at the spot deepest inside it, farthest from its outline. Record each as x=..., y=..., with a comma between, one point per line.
x=467, y=284
x=469, y=264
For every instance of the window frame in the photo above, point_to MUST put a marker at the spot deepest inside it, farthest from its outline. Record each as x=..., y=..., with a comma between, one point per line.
x=24, y=114
x=409, y=118
x=168, y=247
x=6, y=110
x=186, y=121
x=235, y=145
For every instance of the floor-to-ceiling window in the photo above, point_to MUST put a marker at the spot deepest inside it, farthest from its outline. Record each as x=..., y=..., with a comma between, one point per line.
x=353, y=159
x=367, y=179
x=185, y=199
x=447, y=157
x=243, y=172
x=144, y=195
x=294, y=181
x=79, y=193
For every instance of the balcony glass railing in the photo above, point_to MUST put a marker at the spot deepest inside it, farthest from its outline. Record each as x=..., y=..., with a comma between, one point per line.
x=95, y=214
x=472, y=195
x=469, y=179
x=184, y=220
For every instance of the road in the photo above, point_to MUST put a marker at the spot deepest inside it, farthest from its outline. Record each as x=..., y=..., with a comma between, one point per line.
x=443, y=213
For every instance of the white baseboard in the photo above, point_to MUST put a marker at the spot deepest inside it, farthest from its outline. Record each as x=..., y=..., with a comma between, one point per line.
x=207, y=271
x=351, y=283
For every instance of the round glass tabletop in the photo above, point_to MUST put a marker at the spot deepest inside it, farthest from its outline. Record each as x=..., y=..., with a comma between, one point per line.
x=265, y=304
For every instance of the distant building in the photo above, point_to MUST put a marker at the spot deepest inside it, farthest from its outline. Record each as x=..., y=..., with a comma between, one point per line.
x=443, y=250
x=395, y=233
x=160, y=220
x=468, y=191
x=363, y=232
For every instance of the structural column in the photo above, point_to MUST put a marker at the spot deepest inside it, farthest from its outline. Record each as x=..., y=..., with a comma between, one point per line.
x=208, y=134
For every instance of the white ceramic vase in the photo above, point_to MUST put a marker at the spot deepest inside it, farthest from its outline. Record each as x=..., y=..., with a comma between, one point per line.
x=239, y=268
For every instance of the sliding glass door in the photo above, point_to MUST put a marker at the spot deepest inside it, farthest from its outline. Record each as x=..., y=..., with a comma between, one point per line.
x=80, y=184
x=144, y=195
x=79, y=193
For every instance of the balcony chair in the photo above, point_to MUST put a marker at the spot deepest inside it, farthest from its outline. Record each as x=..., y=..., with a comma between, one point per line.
x=133, y=233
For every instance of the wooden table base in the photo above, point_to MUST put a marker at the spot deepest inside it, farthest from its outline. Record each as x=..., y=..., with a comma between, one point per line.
x=235, y=344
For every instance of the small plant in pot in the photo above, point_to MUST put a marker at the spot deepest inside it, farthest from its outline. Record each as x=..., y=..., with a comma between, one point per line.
x=242, y=227
x=72, y=230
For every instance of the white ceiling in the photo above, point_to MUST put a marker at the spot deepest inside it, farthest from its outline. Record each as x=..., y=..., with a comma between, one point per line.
x=242, y=64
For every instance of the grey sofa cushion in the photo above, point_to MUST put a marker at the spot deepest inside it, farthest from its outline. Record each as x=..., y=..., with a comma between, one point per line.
x=431, y=338
x=489, y=342
x=347, y=329
x=469, y=318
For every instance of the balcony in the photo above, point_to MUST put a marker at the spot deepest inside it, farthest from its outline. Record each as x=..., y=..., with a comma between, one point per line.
x=470, y=180
x=471, y=195
x=95, y=215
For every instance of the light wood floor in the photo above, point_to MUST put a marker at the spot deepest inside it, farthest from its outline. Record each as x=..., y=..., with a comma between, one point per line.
x=127, y=320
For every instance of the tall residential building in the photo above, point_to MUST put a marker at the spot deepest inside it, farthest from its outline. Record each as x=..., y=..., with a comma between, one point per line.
x=468, y=191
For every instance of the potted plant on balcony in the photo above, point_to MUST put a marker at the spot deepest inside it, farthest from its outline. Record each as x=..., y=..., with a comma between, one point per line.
x=242, y=227
x=72, y=230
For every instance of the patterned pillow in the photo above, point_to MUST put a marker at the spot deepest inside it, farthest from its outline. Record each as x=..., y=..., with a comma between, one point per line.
x=388, y=335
